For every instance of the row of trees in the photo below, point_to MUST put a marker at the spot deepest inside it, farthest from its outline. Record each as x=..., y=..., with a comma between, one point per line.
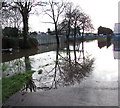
x=74, y=19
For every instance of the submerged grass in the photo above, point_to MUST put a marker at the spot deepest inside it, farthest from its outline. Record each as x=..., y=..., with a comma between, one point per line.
x=88, y=38
x=101, y=38
x=14, y=83
x=40, y=71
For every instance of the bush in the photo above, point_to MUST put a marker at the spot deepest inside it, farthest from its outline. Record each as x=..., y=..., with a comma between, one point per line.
x=13, y=42
x=10, y=32
x=9, y=42
x=5, y=43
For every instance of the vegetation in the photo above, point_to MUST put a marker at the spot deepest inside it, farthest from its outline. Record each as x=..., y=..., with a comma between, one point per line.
x=14, y=83
x=101, y=38
x=11, y=42
x=10, y=32
x=54, y=11
x=104, y=30
x=89, y=38
x=40, y=71
x=71, y=68
x=21, y=9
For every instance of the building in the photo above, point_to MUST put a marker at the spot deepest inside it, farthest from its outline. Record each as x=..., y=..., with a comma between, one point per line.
x=117, y=28
x=116, y=41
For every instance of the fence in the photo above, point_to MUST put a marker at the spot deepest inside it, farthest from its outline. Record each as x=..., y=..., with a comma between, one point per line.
x=49, y=39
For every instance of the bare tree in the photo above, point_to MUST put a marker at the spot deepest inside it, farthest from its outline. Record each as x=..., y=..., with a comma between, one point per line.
x=11, y=16
x=54, y=11
x=17, y=18
x=6, y=14
x=23, y=8
x=75, y=20
x=72, y=16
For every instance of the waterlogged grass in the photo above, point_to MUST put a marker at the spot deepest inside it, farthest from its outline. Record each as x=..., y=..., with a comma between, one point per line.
x=40, y=71
x=88, y=38
x=101, y=38
x=14, y=83
x=4, y=67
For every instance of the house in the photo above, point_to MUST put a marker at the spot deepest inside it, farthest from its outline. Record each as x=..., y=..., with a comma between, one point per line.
x=117, y=37
x=117, y=28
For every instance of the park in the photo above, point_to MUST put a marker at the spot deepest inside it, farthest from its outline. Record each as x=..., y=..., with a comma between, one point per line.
x=68, y=65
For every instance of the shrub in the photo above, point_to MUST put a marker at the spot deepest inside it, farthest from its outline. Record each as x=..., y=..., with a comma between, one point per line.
x=9, y=42
x=10, y=32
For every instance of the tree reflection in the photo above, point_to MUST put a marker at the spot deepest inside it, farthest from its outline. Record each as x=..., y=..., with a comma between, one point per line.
x=104, y=42
x=116, y=46
x=27, y=63
x=29, y=85
x=69, y=71
x=109, y=38
x=74, y=72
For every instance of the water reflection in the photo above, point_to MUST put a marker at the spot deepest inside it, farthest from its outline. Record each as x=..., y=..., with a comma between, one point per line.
x=106, y=67
x=116, y=47
x=29, y=52
x=18, y=66
x=58, y=68
x=11, y=67
x=29, y=85
x=116, y=54
x=74, y=72
x=67, y=69
x=104, y=42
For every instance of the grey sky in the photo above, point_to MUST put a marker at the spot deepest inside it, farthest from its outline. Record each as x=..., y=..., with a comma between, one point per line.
x=102, y=12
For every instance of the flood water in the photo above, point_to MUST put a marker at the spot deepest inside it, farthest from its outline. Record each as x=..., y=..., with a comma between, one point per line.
x=97, y=66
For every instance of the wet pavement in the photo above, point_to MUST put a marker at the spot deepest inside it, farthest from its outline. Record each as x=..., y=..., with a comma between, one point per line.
x=87, y=94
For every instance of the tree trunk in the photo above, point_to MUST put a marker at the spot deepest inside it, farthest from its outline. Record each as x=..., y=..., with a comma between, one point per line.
x=57, y=37
x=74, y=44
x=68, y=41
x=25, y=29
x=83, y=42
x=54, y=84
x=27, y=63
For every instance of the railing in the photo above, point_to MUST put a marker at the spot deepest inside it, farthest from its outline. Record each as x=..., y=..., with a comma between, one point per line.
x=48, y=39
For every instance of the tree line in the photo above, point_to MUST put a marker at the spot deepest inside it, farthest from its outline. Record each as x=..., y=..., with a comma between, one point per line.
x=66, y=17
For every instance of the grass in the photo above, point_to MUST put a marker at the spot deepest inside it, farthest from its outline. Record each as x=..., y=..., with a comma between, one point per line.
x=13, y=42
x=14, y=83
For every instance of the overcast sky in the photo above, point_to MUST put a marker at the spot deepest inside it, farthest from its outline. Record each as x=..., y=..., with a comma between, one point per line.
x=102, y=12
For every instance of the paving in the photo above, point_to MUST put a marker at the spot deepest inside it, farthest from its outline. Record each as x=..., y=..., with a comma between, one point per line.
x=92, y=94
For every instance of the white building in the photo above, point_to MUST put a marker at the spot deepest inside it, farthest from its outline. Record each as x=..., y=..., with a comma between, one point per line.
x=117, y=28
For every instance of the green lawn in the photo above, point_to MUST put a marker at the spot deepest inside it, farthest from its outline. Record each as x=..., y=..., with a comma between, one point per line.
x=14, y=83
